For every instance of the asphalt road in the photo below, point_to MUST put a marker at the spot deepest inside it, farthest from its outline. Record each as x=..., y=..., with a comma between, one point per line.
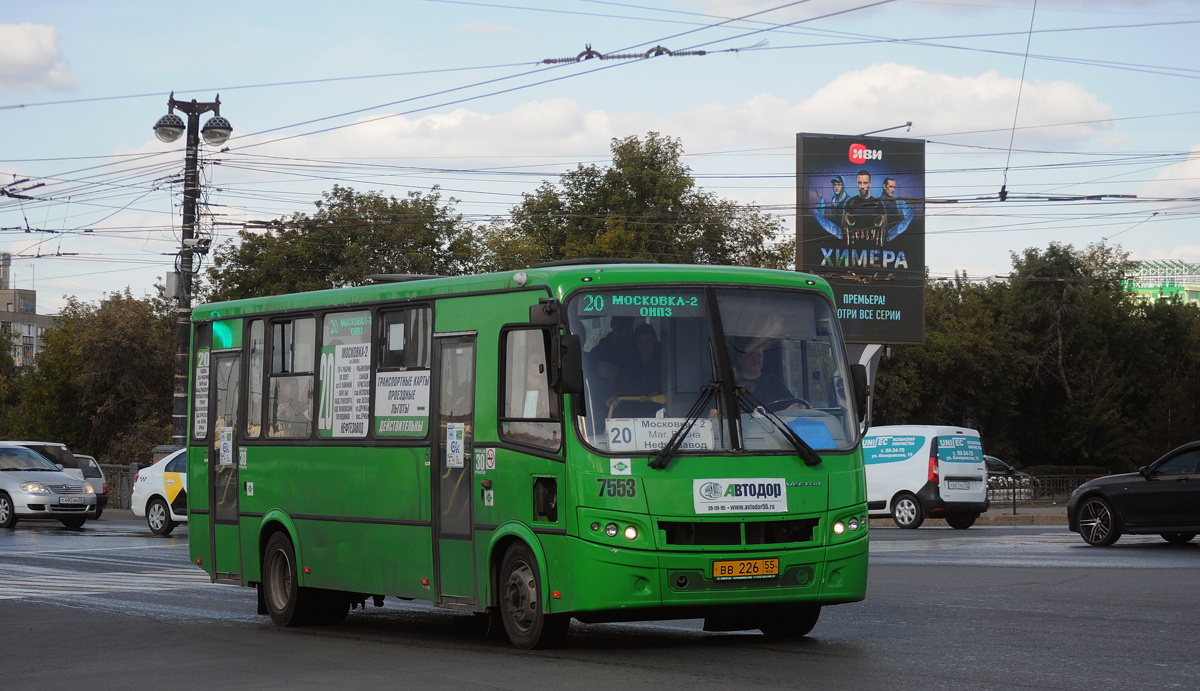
x=112, y=607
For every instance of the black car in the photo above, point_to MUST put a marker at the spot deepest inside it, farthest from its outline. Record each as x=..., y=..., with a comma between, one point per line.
x=997, y=468
x=1162, y=498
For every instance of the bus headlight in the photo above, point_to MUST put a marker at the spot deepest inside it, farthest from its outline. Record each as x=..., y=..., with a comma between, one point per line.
x=852, y=524
x=610, y=530
x=631, y=533
x=839, y=528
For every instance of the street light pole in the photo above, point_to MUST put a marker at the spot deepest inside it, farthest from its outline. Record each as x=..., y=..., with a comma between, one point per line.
x=216, y=132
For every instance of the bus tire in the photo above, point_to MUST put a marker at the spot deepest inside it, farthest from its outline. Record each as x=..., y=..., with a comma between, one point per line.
x=526, y=622
x=287, y=603
x=961, y=521
x=907, y=512
x=795, y=621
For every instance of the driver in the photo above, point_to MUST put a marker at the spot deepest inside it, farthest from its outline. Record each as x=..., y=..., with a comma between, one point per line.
x=766, y=388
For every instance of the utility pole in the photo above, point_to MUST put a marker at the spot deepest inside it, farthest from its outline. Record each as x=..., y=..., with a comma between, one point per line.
x=216, y=132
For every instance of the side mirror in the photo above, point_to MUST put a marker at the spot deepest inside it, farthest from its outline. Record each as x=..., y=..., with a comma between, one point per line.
x=1145, y=471
x=569, y=368
x=861, y=391
x=60, y=466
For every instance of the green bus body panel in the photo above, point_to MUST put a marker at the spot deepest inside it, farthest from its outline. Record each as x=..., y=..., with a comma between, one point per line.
x=360, y=513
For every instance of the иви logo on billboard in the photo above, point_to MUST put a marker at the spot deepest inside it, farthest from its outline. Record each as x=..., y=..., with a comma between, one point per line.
x=861, y=154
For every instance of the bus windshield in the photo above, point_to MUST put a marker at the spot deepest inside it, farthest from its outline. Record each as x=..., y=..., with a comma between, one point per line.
x=651, y=352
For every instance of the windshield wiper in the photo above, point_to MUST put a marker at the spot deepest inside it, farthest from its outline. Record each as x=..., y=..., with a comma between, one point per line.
x=758, y=410
x=664, y=454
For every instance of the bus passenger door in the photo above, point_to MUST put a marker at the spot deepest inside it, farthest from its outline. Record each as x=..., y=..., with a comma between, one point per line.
x=223, y=468
x=453, y=473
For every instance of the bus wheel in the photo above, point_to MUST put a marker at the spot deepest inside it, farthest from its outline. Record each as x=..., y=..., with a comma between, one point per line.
x=961, y=521
x=906, y=512
x=520, y=592
x=287, y=603
x=793, y=622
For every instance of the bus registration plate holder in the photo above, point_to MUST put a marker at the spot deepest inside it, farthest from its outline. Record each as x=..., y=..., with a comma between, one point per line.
x=736, y=569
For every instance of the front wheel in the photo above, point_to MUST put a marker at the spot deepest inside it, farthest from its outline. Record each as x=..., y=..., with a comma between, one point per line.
x=525, y=620
x=1178, y=538
x=907, y=513
x=793, y=622
x=158, y=517
x=961, y=521
x=8, y=512
x=1097, y=524
x=73, y=523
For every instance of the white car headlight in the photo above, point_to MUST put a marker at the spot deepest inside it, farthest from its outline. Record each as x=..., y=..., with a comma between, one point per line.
x=89, y=488
x=34, y=488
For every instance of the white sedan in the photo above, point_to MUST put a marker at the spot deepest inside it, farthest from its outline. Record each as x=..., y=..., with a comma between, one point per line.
x=160, y=493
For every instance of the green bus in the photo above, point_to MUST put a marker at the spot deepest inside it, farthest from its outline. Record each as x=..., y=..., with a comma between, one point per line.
x=604, y=441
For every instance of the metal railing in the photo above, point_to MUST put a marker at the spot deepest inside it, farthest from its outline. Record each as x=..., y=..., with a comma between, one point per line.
x=119, y=479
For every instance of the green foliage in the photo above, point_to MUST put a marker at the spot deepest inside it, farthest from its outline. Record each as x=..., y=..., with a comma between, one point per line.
x=1058, y=366
x=645, y=205
x=351, y=236
x=103, y=383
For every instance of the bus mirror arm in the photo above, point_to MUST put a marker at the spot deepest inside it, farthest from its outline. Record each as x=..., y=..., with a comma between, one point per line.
x=546, y=312
x=861, y=390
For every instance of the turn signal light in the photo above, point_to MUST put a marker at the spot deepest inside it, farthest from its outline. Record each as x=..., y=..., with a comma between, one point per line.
x=199, y=560
x=424, y=581
x=307, y=570
x=556, y=594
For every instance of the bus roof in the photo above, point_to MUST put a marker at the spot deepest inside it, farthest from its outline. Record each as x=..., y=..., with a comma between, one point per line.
x=557, y=280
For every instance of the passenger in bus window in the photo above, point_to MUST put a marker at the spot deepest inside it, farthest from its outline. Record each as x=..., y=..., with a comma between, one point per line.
x=615, y=349
x=641, y=374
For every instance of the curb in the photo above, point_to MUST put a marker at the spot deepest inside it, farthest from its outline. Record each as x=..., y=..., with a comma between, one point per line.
x=985, y=519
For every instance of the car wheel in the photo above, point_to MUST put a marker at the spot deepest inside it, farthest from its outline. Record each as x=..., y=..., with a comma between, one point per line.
x=288, y=603
x=1178, y=538
x=73, y=523
x=158, y=517
x=525, y=620
x=98, y=513
x=906, y=512
x=1097, y=524
x=794, y=622
x=8, y=512
x=961, y=521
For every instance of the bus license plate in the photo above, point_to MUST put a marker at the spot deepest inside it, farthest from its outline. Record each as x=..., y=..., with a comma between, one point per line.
x=70, y=500
x=745, y=568
x=957, y=484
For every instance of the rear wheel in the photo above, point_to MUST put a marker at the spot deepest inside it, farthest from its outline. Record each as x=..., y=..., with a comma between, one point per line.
x=961, y=521
x=98, y=513
x=8, y=513
x=793, y=622
x=158, y=517
x=525, y=620
x=906, y=512
x=73, y=523
x=1178, y=538
x=1097, y=524
x=287, y=603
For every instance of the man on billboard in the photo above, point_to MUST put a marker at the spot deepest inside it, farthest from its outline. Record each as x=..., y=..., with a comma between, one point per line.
x=864, y=218
x=899, y=213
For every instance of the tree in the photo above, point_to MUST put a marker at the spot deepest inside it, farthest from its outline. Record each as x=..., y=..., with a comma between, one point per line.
x=103, y=383
x=645, y=205
x=351, y=236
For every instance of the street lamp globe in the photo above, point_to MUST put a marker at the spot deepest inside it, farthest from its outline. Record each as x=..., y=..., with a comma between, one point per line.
x=216, y=131
x=169, y=128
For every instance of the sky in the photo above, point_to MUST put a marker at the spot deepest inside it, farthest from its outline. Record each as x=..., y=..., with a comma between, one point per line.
x=403, y=96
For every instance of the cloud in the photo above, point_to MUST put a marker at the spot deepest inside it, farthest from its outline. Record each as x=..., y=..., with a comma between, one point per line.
x=30, y=58
x=857, y=101
x=485, y=29
x=1178, y=180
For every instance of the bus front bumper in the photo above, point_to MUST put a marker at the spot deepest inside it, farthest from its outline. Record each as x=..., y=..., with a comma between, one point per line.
x=615, y=584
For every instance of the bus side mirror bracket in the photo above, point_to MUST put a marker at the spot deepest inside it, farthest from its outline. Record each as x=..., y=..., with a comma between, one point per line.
x=547, y=312
x=862, y=391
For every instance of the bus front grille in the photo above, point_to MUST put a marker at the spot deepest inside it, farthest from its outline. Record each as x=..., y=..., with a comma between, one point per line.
x=729, y=534
x=689, y=533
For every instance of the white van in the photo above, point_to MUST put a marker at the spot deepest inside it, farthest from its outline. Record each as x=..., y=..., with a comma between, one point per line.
x=916, y=472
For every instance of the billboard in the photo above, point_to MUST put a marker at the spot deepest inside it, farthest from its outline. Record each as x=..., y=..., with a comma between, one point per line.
x=860, y=224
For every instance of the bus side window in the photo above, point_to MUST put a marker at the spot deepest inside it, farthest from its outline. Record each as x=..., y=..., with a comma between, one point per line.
x=290, y=404
x=254, y=383
x=407, y=337
x=529, y=409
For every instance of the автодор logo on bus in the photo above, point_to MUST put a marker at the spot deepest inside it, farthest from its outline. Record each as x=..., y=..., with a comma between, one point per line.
x=739, y=495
